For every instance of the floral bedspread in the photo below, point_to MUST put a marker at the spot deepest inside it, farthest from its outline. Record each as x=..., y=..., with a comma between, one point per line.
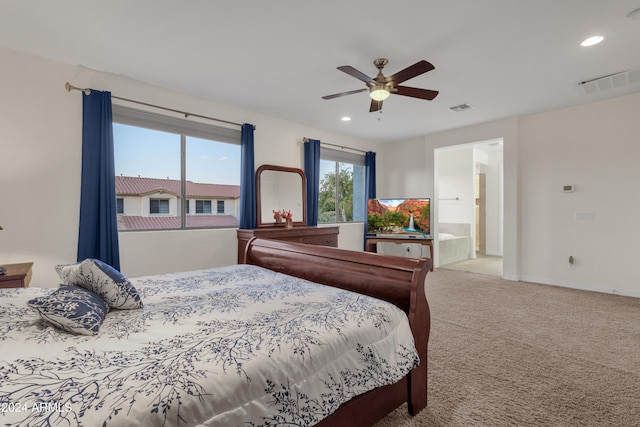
x=237, y=345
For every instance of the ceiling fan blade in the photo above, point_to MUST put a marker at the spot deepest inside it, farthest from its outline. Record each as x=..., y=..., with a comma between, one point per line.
x=411, y=72
x=355, y=73
x=415, y=92
x=351, y=92
x=375, y=106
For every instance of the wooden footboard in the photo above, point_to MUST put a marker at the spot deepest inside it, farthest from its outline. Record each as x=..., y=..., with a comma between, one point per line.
x=397, y=280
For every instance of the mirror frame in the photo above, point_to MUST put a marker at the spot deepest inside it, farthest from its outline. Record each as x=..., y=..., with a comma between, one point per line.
x=276, y=168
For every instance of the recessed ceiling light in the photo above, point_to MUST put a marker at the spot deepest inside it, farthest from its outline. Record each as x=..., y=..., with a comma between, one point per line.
x=592, y=41
x=345, y=119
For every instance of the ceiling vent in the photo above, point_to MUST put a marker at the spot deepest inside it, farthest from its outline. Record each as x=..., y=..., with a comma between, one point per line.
x=459, y=108
x=612, y=81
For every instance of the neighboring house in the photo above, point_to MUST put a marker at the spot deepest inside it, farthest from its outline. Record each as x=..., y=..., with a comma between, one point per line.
x=151, y=204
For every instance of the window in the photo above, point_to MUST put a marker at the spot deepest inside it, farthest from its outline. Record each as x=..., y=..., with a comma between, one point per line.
x=220, y=210
x=342, y=192
x=120, y=205
x=158, y=206
x=172, y=162
x=203, y=206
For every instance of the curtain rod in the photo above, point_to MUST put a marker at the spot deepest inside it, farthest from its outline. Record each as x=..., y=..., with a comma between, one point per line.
x=69, y=87
x=305, y=139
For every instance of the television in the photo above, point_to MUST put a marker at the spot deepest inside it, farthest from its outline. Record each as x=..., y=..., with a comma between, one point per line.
x=410, y=218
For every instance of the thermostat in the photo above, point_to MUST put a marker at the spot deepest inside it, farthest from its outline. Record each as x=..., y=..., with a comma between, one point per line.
x=568, y=188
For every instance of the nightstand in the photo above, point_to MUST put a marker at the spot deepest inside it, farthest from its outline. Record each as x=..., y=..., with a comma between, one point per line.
x=16, y=276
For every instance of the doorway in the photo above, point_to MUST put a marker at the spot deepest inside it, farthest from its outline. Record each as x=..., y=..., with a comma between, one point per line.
x=469, y=192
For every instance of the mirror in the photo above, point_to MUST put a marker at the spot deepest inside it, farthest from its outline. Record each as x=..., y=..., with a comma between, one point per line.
x=280, y=188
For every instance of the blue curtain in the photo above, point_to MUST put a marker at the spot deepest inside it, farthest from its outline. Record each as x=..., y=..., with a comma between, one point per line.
x=312, y=171
x=98, y=230
x=248, y=215
x=370, y=172
x=370, y=185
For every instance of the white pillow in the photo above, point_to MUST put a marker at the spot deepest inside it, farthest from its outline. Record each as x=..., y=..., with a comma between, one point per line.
x=102, y=279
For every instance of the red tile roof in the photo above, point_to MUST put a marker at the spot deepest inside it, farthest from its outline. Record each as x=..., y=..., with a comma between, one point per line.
x=128, y=222
x=137, y=186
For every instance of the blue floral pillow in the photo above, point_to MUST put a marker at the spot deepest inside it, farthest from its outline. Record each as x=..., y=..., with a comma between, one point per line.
x=72, y=309
x=102, y=279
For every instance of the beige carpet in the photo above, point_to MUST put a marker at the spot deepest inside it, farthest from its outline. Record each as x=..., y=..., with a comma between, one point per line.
x=505, y=353
x=485, y=264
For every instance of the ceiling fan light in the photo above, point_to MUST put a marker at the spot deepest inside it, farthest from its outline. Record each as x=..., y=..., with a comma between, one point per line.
x=379, y=94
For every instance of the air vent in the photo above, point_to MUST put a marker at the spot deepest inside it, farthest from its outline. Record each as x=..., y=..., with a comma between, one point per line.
x=459, y=108
x=612, y=81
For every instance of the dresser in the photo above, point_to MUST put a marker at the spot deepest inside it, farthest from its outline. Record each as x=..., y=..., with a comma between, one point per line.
x=323, y=236
x=16, y=275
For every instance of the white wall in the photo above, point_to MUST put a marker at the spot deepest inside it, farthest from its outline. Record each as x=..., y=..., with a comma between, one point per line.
x=596, y=148
x=455, y=191
x=456, y=181
x=40, y=134
x=416, y=158
x=593, y=146
x=40, y=144
x=494, y=210
x=401, y=170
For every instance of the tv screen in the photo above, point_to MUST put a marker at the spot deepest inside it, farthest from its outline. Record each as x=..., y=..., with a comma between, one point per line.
x=399, y=217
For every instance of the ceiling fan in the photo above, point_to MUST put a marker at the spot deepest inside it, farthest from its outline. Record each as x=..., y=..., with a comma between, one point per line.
x=381, y=87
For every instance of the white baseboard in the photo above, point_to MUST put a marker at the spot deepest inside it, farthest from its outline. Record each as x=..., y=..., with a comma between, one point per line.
x=601, y=289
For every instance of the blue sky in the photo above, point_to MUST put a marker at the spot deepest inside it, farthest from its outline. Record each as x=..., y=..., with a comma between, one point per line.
x=155, y=154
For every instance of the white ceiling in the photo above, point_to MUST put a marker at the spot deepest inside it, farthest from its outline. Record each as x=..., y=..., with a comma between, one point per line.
x=503, y=57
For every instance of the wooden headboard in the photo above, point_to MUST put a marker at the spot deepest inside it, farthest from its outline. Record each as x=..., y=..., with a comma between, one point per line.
x=381, y=276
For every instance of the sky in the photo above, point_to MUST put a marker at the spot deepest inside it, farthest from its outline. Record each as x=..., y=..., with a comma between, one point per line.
x=154, y=154
x=396, y=202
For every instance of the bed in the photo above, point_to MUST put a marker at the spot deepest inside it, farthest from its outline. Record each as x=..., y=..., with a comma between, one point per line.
x=263, y=343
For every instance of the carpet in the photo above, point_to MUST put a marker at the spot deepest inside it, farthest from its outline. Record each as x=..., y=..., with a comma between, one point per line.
x=504, y=353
